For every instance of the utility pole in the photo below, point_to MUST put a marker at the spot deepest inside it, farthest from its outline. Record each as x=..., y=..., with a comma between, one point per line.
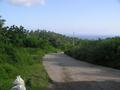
x=73, y=39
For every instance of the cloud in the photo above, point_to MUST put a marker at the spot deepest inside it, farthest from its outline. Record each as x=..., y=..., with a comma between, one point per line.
x=27, y=2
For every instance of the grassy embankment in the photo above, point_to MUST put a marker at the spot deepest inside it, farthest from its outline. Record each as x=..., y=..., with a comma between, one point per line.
x=104, y=52
x=26, y=62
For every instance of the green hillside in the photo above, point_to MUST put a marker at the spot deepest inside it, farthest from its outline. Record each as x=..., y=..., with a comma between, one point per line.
x=21, y=53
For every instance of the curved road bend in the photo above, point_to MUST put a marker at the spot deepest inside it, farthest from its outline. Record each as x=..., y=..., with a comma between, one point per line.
x=70, y=74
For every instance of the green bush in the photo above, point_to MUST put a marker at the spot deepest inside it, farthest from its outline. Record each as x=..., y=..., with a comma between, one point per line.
x=103, y=52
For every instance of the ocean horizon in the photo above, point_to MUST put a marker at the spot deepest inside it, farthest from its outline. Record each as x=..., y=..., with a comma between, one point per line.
x=94, y=37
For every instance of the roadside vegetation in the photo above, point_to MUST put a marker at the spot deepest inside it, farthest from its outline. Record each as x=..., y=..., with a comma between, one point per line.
x=21, y=53
x=104, y=52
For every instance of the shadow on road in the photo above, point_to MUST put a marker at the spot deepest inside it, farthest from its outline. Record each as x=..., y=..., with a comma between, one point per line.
x=87, y=85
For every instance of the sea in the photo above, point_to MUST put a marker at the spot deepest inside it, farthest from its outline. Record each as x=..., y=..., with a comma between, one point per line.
x=94, y=37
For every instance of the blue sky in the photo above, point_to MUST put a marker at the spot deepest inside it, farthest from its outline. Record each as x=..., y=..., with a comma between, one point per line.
x=89, y=17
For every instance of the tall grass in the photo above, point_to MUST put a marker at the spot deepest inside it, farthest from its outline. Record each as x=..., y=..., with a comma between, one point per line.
x=25, y=62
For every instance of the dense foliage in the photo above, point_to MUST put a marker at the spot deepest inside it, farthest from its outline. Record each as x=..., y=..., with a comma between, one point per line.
x=21, y=37
x=21, y=52
x=103, y=52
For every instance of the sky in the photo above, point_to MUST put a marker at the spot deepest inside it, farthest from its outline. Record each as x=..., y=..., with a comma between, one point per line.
x=84, y=17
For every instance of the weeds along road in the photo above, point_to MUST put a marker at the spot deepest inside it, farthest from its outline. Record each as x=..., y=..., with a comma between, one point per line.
x=70, y=74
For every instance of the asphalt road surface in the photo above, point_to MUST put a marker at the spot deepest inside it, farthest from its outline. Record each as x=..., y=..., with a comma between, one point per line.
x=67, y=73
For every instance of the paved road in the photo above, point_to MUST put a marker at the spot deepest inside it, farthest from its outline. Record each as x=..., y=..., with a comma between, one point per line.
x=70, y=74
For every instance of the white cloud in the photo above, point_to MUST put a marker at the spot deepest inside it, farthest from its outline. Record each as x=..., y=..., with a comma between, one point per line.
x=27, y=2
